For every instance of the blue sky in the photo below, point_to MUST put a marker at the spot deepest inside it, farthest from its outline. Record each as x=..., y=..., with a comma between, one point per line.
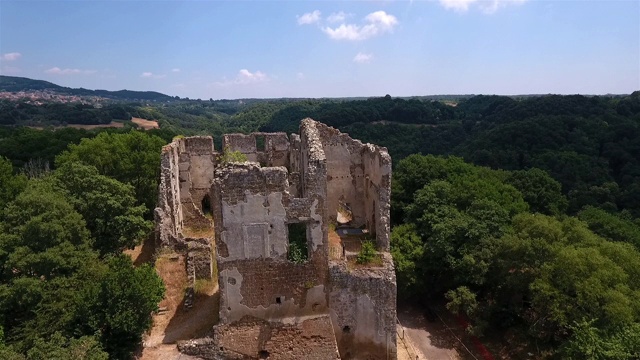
x=224, y=49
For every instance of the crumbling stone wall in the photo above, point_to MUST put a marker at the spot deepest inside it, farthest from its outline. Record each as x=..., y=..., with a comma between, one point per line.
x=168, y=214
x=275, y=151
x=363, y=309
x=256, y=277
x=187, y=166
x=313, y=339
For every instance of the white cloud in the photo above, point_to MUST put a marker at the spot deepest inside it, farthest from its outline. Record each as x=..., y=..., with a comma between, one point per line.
x=150, y=75
x=337, y=17
x=487, y=6
x=57, y=71
x=176, y=70
x=11, y=56
x=362, y=58
x=300, y=76
x=309, y=18
x=244, y=77
x=457, y=5
x=378, y=22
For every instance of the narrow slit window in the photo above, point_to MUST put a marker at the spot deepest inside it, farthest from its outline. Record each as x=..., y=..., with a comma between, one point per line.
x=260, y=143
x=206, y=205
x=298, y=248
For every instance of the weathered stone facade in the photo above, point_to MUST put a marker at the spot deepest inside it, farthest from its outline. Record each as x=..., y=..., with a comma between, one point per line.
x=299, y=179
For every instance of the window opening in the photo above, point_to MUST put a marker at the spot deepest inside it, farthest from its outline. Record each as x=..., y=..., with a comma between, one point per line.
x=298, y=249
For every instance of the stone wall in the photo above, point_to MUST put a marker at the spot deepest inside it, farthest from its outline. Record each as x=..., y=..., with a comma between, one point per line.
x=363, y=309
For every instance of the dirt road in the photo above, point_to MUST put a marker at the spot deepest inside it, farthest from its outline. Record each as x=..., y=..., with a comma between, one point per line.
x=432, y=340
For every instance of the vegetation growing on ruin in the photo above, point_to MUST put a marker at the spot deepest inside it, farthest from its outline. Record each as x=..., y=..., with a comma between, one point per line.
x=297, y=252
x=367, y=254
x=230, y=156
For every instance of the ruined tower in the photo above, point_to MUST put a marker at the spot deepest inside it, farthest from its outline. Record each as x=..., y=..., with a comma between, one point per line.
x=288, y=225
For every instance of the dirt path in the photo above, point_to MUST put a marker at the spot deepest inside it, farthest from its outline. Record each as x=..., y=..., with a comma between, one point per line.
x=173, y=322
x=433, y=340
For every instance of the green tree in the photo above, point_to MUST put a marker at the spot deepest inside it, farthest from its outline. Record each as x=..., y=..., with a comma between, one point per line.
x=407, y=249
x=611, y=226
x=42, y=235
x=10, y=185
x=60, y=348
x=132, y=158
x=456, y=213
x=540, y=191
x=107, y=205
x=118, y=307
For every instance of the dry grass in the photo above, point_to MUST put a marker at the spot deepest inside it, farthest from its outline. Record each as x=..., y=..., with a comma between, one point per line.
x=198, y=232
x=335, y=244
x=171, y=268
x=145, y=124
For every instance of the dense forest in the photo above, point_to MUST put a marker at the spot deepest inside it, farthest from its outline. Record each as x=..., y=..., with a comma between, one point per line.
x=521, y=214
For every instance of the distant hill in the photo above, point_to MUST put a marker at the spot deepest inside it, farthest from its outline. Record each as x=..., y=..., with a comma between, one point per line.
x=16, y=84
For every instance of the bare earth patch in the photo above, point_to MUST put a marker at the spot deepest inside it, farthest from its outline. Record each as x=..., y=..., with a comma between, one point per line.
x=145, y=124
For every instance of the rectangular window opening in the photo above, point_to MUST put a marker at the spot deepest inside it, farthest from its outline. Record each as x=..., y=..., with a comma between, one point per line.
x=298, y=249
x=260, y=142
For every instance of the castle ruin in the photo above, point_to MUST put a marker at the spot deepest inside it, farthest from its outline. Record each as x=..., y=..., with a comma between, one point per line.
x=287, y=228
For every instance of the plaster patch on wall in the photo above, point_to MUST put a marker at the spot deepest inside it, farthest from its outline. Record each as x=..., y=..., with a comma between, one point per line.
x=242, y=242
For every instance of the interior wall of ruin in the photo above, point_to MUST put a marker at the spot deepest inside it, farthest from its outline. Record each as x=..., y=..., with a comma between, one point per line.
x=197, y=163
x=275, y=151
x=345, y=170
x=377, y=187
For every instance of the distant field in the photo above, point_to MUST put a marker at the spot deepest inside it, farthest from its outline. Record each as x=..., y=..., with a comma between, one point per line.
x=112, y=124
x=141, y=123
x=145, y=124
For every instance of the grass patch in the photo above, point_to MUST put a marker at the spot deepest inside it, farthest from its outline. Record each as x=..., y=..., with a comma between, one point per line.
x=204, y=286
x=367, y=254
